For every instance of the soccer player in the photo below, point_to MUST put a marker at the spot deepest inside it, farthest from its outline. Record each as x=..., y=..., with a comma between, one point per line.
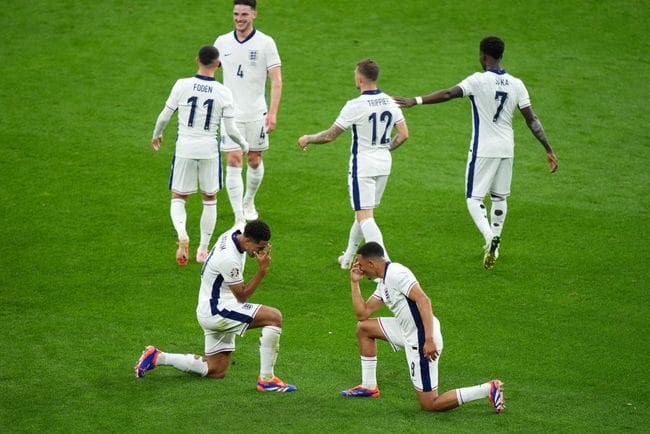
x=202, y=104
x=494, y=95
x=371, y=116
x=414, y=328
x=248, y=58
x=223, y=311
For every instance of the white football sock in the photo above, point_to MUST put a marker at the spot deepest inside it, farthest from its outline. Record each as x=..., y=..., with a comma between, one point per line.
x=354, y=240
x=235, y=188
x=498, y=214
x=208, y=222
x=254, y=178
x=269, y=346
x=369, y=372
x=179, y=218
x=479, y=215
x=190, y=363
x=467, y=394
x=371, y=232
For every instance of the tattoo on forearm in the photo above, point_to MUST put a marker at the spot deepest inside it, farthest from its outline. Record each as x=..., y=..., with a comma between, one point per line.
x=538, y=130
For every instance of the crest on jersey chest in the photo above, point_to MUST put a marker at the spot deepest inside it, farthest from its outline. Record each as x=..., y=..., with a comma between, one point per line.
x=252, y=56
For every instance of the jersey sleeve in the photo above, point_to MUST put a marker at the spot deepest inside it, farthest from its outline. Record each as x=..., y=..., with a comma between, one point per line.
x=469, y=85
x=228, y=104
x=272, y=55
x=398, y=115
x=523, y=97
x=231, y=272
x=377, y=294
x=347, y=116
x=404, y=281
x=172, y=100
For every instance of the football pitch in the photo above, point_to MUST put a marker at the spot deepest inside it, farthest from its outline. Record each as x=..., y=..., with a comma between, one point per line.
x=88, y=275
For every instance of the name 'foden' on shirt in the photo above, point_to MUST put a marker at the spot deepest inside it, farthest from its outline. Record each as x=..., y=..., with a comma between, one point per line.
x=202, y=88
x=378, y=101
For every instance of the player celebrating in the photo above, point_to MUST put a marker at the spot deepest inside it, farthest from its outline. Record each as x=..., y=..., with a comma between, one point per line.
x=248, y=57
x=413, y=328
x=223, y=311
x=371, y=117
x=494, y=95
x=202, y=104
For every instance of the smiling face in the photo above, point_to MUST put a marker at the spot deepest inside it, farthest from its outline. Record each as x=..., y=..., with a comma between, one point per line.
x=243, y=17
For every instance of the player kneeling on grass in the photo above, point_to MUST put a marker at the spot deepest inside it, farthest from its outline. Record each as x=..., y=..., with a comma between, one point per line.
x=413, y=328
x=223, y=311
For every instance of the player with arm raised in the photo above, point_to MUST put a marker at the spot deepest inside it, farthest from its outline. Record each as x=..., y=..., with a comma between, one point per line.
x=413, y=328
x=248, y=58
x=224, y=311
x=495, y=95
x=371, y=117
x=202, y=103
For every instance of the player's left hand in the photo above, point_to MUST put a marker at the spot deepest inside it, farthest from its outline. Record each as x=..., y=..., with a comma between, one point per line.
x=404, y=102
x=263, y=257
x=430, y=350
x=355, y=272
x=552, y=162
x=302, y=142
x=271, y=123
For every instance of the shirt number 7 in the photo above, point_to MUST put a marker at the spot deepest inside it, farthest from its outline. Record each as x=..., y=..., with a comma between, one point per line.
x=503, y=96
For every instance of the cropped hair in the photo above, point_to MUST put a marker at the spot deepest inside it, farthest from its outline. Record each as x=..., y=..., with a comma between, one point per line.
x=251, y=3
x=257, y=231
x=208, y=54
x=369, y=69
x=493, y=46
x=371, y=250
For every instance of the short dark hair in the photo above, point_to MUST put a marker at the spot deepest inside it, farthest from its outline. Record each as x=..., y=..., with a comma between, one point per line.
x=251, y=3
x=493, y=46
x=208, y=54
x=257, y=231
x=369, y=69
x=371, y=250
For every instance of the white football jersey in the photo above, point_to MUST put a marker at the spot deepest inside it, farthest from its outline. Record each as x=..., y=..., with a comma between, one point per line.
x=245, y=65
x=224, y=267
x=201, y=103
x=393, y=290
x=371, y=116
x=495, y=96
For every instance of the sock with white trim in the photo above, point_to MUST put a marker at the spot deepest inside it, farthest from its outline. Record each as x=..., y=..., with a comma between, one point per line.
x=179, y=218
x=477, y=210
x=467, y=394
x=269, y=347
x=235, y=188
x=254, y=178
x=190, y=363
x=369, y=372
x=208, y=222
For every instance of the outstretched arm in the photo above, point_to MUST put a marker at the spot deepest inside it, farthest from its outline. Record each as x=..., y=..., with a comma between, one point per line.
x=439, y=96
x=326, y=136
x=538, y=131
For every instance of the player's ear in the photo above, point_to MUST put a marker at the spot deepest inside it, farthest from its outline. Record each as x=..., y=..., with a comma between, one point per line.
x=218, y=62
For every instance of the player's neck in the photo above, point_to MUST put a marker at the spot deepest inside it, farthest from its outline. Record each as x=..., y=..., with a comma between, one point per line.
x=243, y=34
x=365, y=87
x=206, y=72
x=493, y=66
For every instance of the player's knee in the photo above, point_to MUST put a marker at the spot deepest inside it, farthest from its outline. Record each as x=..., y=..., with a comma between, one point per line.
x=234, y=159
x=275, y=317
x=363, y=329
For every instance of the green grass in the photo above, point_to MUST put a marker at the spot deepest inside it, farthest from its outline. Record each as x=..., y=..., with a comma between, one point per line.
x=88, y=275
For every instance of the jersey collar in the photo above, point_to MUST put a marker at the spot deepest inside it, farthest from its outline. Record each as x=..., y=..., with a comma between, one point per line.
x=234, y=240
x=385, y=271
x=371, y=92
x=234, y=33
x=497, y=71
x=204, y=77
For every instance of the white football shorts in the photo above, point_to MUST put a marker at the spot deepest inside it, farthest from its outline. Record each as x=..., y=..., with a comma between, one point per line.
x=424, y=373
x=220, y=329
x=254, y=132
x=488, y=175
x=366, y=192
x=187, y=174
